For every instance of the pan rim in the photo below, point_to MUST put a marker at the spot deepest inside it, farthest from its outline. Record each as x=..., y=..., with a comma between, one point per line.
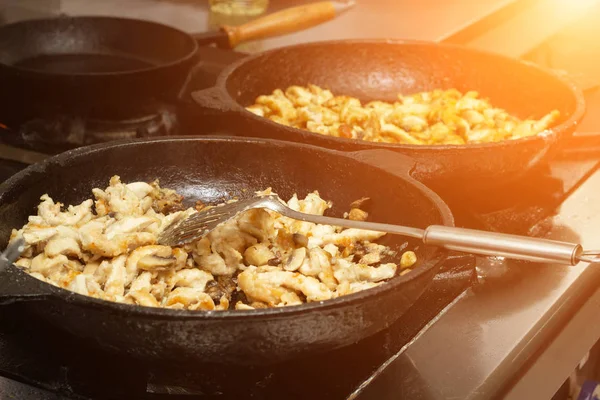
x=156, y=25
x=438, y=256
x=549, y=134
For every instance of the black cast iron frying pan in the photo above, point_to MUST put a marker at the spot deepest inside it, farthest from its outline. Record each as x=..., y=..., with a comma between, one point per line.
x=379, y=70
x=110, y=66
x=212, y=169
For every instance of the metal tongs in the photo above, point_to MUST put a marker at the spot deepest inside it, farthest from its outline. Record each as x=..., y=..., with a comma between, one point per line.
x=13, y=251
x=472, y=241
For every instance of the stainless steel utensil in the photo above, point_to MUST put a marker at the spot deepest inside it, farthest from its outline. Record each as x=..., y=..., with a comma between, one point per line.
x=13, y=251
x=473, y=241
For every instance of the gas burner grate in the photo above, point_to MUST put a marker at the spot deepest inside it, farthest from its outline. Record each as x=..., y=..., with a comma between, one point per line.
x=61, y=133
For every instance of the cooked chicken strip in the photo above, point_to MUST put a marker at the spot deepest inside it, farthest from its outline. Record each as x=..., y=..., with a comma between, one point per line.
x=347, y=271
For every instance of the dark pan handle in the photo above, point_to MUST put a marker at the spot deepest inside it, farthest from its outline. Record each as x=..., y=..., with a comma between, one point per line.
x=214, y=99
x=392, y=162
x=402, y=166
x=190, y=78
x=17, y=286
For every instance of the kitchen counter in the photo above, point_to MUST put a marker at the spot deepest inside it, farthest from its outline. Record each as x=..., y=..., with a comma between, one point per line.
x=516, y=336
x=425, y=19
x=484, y=24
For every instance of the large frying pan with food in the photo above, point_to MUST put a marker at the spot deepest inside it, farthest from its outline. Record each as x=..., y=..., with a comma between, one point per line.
x=212, y=169
x=109, y=66
x=379, y=70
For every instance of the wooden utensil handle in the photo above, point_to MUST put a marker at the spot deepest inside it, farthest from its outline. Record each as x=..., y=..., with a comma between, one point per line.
x=279, y=23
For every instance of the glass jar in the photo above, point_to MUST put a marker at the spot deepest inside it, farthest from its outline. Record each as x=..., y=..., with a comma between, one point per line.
x=239, y=7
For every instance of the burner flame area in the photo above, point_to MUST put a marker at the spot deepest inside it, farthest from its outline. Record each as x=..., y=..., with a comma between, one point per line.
x=61, y=133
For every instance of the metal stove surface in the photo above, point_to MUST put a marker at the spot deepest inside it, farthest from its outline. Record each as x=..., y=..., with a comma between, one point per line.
x=37, y=361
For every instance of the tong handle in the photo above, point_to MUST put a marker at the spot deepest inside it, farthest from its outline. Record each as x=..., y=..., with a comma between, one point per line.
x=503, y=245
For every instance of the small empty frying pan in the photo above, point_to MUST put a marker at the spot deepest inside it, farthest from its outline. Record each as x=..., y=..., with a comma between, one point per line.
x=107, y=63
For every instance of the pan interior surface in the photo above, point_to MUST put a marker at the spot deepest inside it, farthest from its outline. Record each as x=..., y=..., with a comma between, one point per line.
x=215, y=170
x=91, y=45
x=82, y=63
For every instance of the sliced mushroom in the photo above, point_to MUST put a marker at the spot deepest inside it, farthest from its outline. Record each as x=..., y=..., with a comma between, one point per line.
x=153, y=262
x=223, y=286
x=165, y=200
x=275, y=261
x=300, y=240
x=143, y=298
x=181, y=258
x=194, y=278
x=296, y=259
x=138, y=254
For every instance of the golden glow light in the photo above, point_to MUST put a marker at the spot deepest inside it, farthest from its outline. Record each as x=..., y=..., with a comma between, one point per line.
x=574, y=5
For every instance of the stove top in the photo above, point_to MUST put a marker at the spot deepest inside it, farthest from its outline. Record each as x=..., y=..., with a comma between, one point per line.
x=37, y=361
x=39, y=355
x=61, y=133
